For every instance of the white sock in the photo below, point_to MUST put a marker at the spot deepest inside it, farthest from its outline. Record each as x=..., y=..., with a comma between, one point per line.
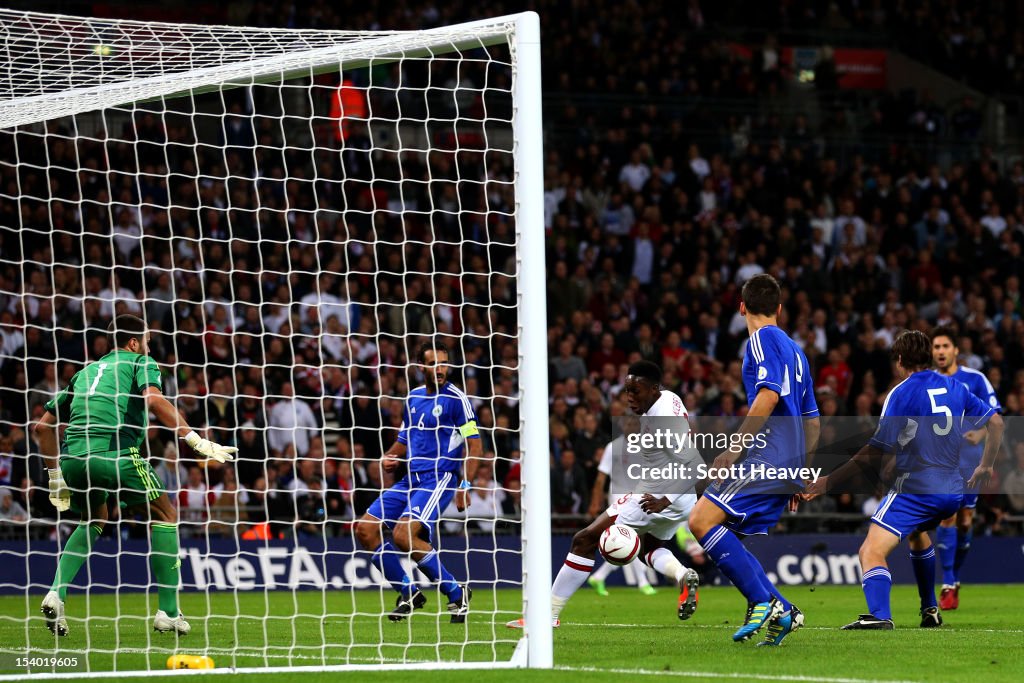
x=664, y=562
x=602, y=572
x=571, y=576
x=640, y=572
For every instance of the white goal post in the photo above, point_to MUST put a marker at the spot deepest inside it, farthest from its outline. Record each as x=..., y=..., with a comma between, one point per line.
x=287, y=248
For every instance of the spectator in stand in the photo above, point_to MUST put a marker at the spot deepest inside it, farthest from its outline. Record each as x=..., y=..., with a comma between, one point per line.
x=291, y=421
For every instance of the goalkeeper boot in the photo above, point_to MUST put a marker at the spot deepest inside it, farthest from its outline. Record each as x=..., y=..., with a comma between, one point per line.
x=931, y=618
x=758, y=615
x=868, y=622
x=782, y=625
x=460, y=609
x=53, y=609
x=404, y=606
x=163, y=623
x=687, y=594
x=598, y=586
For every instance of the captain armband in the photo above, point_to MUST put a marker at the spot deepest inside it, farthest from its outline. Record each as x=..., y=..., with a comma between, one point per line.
x=469, y=429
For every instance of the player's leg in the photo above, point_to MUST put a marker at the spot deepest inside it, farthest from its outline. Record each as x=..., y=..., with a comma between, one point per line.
x=964, y=536
x=922, y=558
x=89, y=500
x=720, y=544
x=875, y=577
x=140, y=490
x=946, y=541
x=600, y=575
x=166, y=565
x=414, y=533
x=579, y=562
x=643, y=583
x=662, y=560
x=386, y=510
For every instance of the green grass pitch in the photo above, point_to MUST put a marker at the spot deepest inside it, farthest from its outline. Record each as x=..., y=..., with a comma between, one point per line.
x=624, y=633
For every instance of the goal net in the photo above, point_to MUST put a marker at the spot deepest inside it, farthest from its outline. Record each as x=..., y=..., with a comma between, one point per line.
x=293, y=213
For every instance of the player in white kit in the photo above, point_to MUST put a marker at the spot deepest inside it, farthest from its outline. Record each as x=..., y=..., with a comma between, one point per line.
x=598, y=502
x=654, y=515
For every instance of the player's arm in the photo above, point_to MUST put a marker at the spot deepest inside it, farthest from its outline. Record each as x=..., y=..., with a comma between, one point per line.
x=597, y=494
x=994, y=439
x=812, y=432
x=46, y=433
x=762, y=408
x=474, y=455
x=866, y=462
x=172, y=418
x=393, y=456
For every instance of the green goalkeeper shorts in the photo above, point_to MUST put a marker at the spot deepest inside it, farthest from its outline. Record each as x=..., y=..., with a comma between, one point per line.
x=92, y=478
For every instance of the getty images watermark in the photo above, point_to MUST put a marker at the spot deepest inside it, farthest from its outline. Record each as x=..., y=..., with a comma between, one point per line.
x=671, y=450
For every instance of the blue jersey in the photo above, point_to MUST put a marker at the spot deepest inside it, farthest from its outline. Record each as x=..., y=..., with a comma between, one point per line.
x=977, y=383
x=923, y=422
x=773, y=360
x=435, y=428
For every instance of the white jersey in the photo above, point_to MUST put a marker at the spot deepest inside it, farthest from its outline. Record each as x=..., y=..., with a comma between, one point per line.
x=605, y=466
x=668, y=412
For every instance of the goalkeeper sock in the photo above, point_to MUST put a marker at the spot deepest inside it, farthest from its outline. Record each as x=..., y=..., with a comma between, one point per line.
x=963, y=546
x=602, y=572
x=877, y=583
x=164, y=561
x=432, y=568
x=663, y=561
x=77, y=548
x=571, y=576
x=385, y=558
x=924, y=572
x=946, y=541
x=733, y=560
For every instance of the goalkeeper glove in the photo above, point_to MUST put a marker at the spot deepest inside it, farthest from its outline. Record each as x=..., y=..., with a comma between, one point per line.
x=209, y=449
x=60, y=496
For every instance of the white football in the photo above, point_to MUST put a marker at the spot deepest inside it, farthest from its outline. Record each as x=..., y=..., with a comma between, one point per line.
x=619, y=544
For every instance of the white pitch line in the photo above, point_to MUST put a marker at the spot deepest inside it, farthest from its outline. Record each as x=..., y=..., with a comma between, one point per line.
x=729, y=675
x=944, y=629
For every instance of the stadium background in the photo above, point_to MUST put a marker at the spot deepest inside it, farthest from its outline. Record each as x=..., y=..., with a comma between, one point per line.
x=867, y=157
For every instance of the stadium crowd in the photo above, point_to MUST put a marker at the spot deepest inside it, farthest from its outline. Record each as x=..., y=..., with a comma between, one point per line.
x=286, y=328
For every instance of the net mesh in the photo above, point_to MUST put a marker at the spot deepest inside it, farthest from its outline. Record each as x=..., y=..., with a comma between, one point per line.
x=293, y=213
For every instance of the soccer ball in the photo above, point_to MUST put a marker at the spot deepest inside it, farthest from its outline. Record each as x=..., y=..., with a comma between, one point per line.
x=619, y=544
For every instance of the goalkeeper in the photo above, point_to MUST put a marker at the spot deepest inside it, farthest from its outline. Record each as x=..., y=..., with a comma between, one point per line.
x=106, y=410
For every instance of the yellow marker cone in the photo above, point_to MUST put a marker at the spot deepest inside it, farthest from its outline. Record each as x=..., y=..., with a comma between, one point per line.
x=189, y=662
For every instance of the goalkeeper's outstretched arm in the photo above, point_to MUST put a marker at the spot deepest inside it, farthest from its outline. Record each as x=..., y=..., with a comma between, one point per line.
x=171, y=417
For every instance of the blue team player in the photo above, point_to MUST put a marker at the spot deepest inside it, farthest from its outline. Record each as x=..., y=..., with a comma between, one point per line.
x=777, y=379
x=953, y=537
x=437, y=427
x=923, y=421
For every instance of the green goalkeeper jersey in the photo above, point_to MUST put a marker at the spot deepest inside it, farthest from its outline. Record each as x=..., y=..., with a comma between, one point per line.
x=103, y=406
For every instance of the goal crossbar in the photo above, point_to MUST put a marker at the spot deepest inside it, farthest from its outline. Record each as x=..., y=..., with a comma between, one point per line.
x=355, y=52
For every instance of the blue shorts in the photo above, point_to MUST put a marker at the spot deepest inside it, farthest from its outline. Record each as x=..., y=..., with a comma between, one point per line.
x=423, y=496
x=970, y=499
x=748, y=513
x=905, y=513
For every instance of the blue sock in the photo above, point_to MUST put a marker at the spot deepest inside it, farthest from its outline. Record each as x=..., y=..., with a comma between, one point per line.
x=946, y=541
x=431, y=566
x=385, y=558
x=877, y=583
x=963, y=546
x=924, y=572
x=769, y=586
x=734, y=561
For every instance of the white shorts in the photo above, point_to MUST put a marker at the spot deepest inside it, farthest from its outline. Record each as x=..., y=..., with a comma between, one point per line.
x=626, y=510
